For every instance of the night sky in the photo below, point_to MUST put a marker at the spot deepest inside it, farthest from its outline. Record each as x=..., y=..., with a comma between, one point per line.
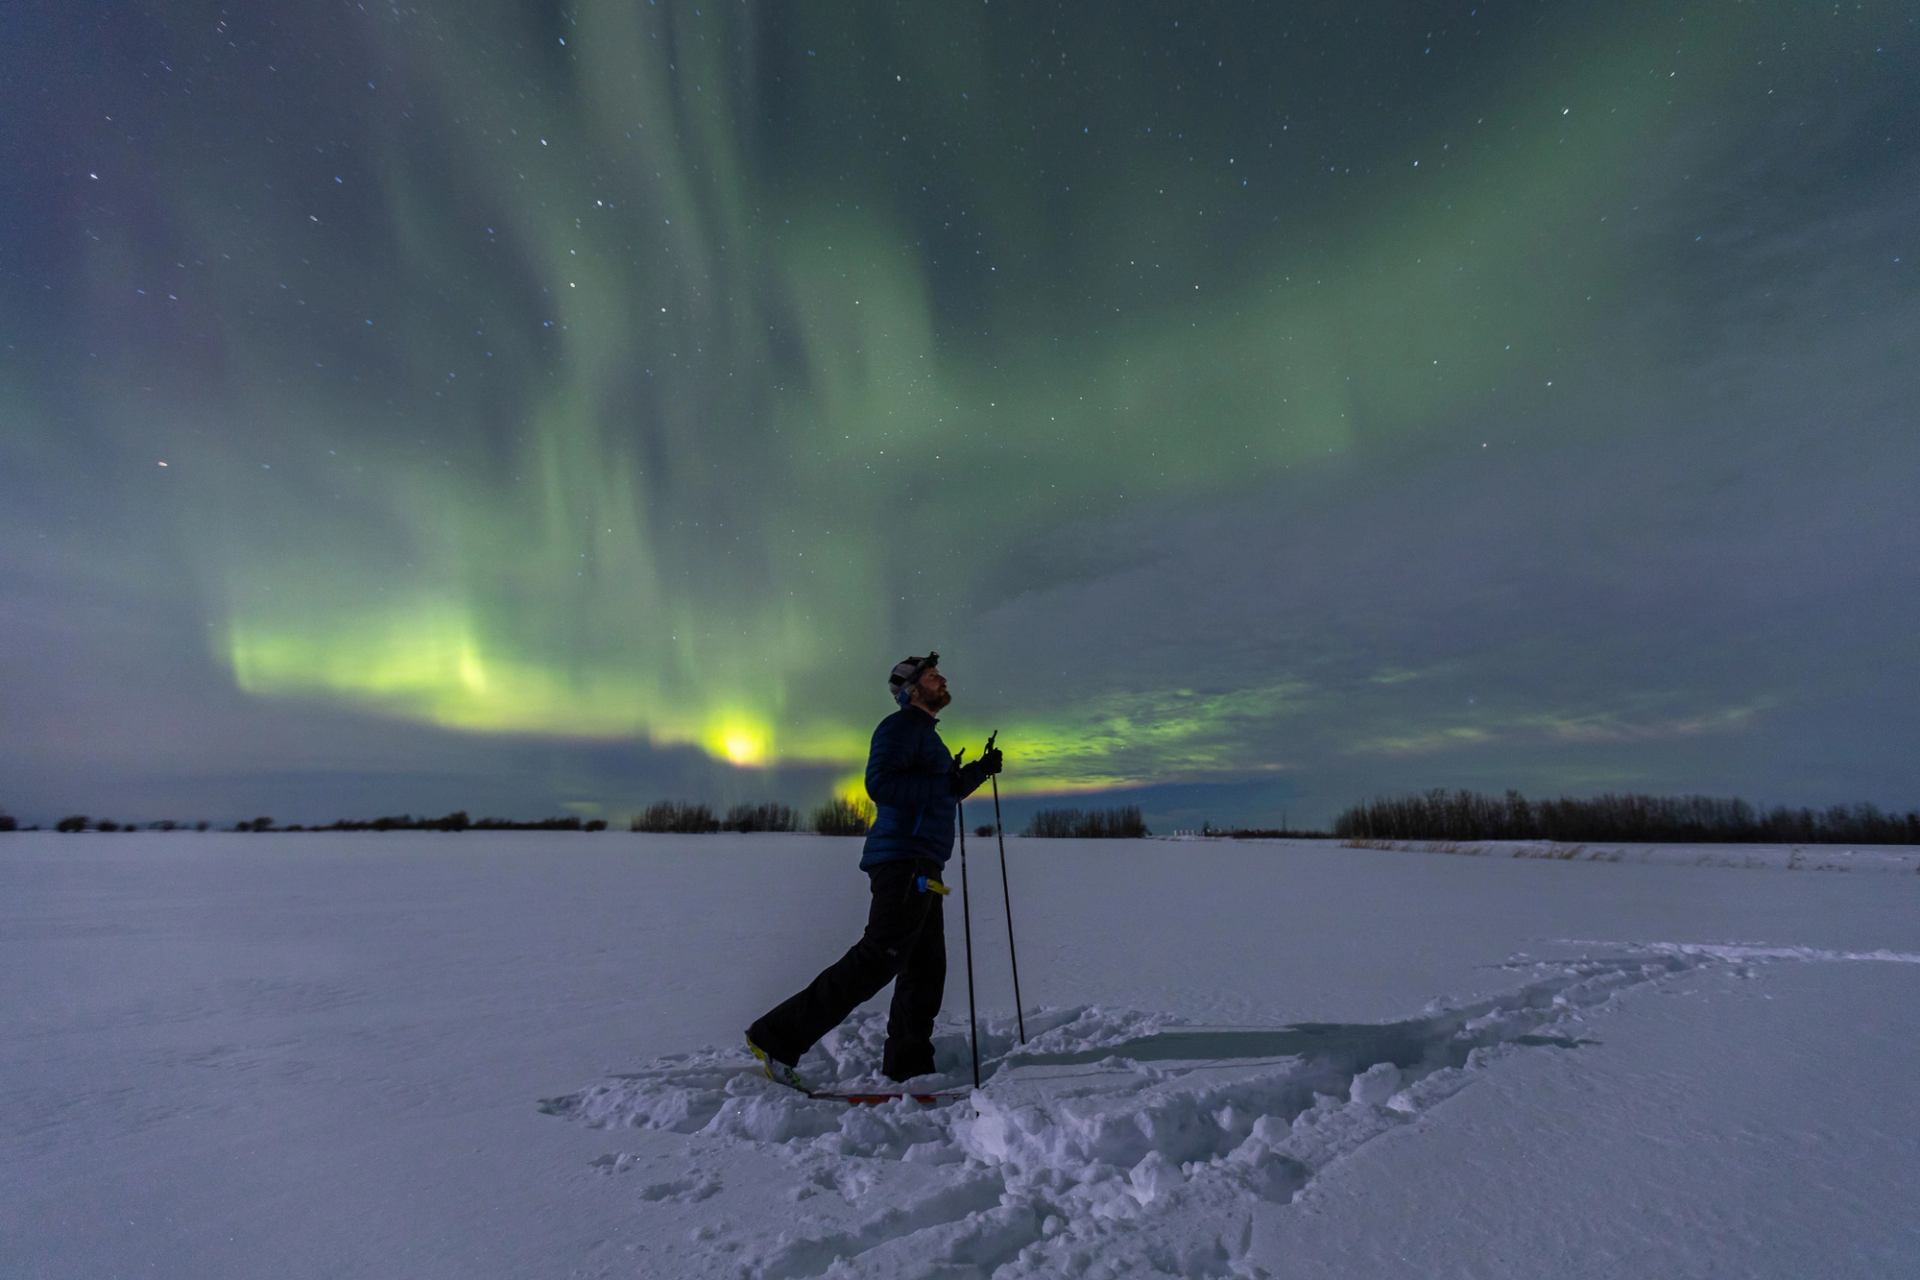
x=536, y=408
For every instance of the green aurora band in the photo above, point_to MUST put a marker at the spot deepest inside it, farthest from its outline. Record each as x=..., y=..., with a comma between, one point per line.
x=658, y=430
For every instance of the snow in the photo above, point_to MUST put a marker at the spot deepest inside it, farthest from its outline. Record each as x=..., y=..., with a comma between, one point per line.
x=518, y=1054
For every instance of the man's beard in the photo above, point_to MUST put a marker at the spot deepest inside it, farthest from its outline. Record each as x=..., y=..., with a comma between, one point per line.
x=935, y=701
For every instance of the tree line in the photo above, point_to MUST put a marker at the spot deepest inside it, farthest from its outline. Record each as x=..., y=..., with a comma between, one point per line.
x=844, y=817
x=455, y=821
x=1123, y=823
x=838, y=817
x=1467, y=815
x=1437, y=814
x=683, y=818
x=81, y=822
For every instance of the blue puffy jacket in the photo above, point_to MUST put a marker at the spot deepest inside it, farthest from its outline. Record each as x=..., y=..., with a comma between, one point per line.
x=911, y=777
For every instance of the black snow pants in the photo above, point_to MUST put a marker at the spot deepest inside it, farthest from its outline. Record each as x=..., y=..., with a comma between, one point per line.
x=906, y=943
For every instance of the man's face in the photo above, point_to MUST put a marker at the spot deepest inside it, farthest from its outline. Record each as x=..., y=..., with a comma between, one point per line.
x=931, y=690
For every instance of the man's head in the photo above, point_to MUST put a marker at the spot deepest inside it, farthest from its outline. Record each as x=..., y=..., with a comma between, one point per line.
x=917, y=682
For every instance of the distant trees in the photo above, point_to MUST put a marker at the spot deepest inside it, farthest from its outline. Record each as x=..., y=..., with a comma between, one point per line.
x=7, y=822
x=1466, y=815
x=455, y=821
x=842, y=817
x=81, y=822
x=458, y=821
x=540, y=824
x=761, y=817
x=675, y=816
x=1285, y=831
x=1124, y=823
x=680, y=817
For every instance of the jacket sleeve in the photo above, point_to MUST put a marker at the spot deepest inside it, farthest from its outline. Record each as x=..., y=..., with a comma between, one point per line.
x=891, y=777
x=967, y=779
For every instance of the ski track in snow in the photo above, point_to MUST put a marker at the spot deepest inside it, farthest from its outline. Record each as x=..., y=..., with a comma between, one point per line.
x=1115, y=1143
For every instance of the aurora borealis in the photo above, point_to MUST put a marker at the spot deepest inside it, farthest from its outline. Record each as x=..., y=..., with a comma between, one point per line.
x=525, y=408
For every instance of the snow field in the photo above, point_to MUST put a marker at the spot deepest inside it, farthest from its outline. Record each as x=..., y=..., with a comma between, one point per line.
x=317, y=1056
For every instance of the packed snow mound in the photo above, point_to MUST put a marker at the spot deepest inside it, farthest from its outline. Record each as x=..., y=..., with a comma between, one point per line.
x=1115, y=1142
x=721, y=1092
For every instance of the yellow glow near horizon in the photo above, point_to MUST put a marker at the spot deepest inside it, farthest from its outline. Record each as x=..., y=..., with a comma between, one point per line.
x=472, y=674
x=740, y=742
x=431, y=662
x=432, y=665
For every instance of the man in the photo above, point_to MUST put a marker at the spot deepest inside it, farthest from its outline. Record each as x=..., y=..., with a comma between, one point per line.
x=916, y=786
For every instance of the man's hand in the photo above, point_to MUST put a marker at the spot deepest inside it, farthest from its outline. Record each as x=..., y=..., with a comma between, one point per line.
x=989, y=762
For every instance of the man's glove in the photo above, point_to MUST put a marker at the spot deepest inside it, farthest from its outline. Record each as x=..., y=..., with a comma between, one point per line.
x=973, y=775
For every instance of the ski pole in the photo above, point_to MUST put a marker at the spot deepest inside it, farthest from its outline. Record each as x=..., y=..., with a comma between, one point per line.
x=1006, y=896
x=966, y=917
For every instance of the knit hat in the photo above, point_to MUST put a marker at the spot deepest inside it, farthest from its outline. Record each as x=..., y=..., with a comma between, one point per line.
x=906, y=673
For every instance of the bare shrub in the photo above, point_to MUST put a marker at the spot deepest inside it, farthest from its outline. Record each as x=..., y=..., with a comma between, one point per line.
x=677, y=817
x=1465, y=815
x=761, y=817
x=1124, y=823
x=842, y=817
